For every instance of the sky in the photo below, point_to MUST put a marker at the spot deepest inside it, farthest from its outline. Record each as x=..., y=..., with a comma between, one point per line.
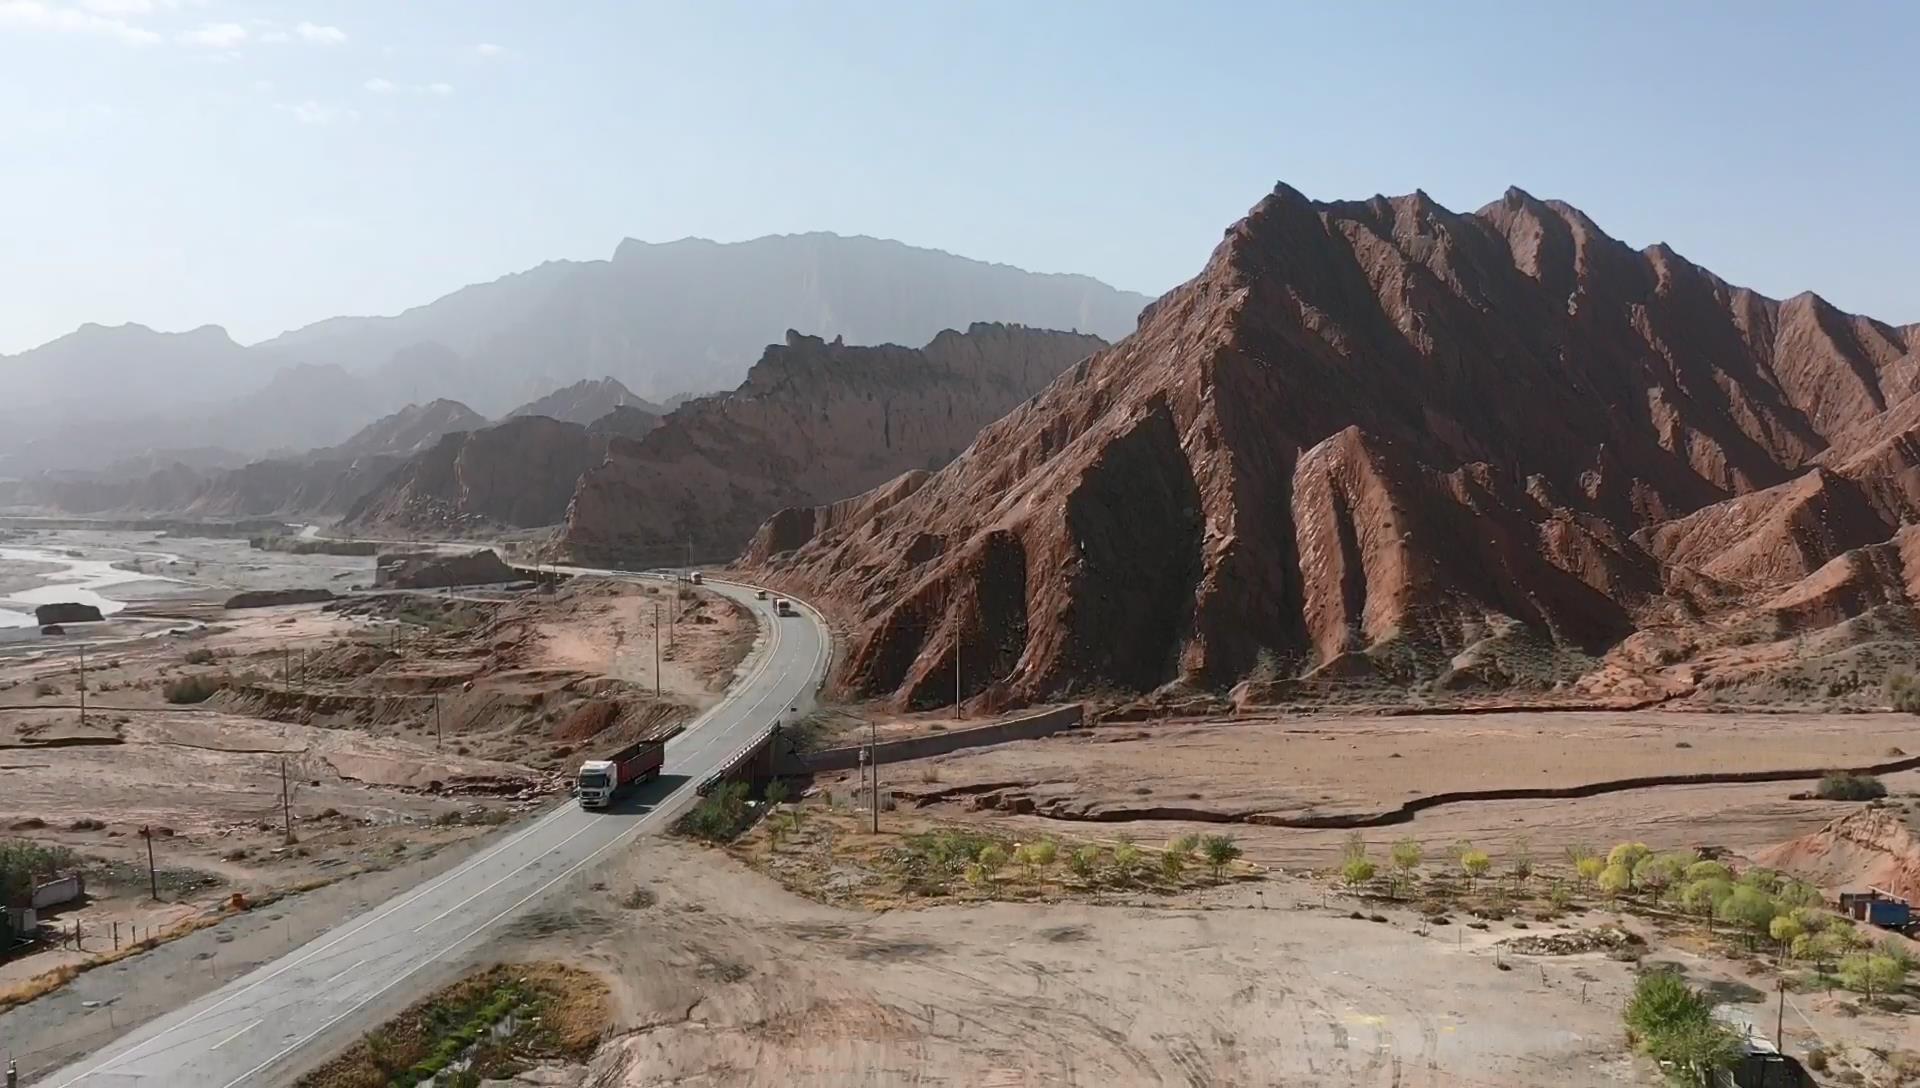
x=264, y=165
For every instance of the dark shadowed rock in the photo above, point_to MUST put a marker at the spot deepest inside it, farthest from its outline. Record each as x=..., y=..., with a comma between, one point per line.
x=269, y=598
x=429, y=570
x=66, y=612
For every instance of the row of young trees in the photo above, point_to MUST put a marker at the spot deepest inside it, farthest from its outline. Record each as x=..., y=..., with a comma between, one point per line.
x=1125, y=861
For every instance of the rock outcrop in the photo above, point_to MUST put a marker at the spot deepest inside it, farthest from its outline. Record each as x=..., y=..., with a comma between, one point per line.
x=65, y=612
x=814, y=422
x=583, y=402
x=432, y=570
x=1375, y=437
x=516, y=474
x=272, y=598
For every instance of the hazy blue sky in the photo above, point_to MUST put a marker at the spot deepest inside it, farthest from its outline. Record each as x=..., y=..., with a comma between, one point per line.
x=262, y=165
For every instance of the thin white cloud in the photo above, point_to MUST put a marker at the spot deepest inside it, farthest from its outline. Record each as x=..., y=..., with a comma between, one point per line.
x=310, y=112
x=489, y=51
x=39, y=17
x=119, y=7
x=275, y=37
x=320, y=35
x=379, y=86
x=441, y=89
x=214, y=36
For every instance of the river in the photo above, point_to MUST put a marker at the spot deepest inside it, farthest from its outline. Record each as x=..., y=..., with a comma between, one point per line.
x=77, y=580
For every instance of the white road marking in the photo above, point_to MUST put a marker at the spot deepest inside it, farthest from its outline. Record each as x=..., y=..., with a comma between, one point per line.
x=769, y=651
x=345, y=973
x=637, y=827
x=236, y=1035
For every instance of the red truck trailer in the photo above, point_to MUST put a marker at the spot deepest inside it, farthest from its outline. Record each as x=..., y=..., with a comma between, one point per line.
x=600, y=779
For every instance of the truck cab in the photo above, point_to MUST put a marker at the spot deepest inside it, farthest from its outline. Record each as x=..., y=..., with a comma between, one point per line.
x=695, y=579
x=598, y=779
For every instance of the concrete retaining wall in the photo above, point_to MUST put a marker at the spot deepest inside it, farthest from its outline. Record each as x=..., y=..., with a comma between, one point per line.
x=1027, y=727
x=55, y=892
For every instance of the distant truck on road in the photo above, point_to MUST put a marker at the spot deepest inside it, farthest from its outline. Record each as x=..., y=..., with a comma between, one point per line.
x=782, y=607
x=695, y=578
x=601, y=779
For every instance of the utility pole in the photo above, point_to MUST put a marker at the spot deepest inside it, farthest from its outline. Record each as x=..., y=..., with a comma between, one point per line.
x=436, y=720
x=286, y=799
x=286, y=668
x=1780, y=1017
x=873, y=744
x=83, y=683
x=656, y=649
x=153, y=878
x=956, y=676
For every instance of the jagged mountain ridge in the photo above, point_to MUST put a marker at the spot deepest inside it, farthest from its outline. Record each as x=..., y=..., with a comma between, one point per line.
x=813, y=420
x=1368, y=436
x=587, y=401
x=666, y=320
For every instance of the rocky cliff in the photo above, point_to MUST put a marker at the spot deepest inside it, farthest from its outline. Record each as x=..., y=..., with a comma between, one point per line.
x=1377, y=438
x=583, y=402
x=515, y=474
x=320, y=483
x=814, y=422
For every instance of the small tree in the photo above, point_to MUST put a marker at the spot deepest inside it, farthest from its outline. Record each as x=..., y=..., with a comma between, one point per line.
x=1406, y=858
x=1703, y=896
x=1672, y=1022
x=1126, y=861
x=992, y=858
x=1615, y=879
x=777, y=791
x=1172, y=865
x=1842, y=786
x=1356, y=871
x=1475, y=864
x=1749, y=908
x=1043, y=853
x=1184, y=845
x=1023, y=857
x=1785, y=929
x=1084, y=862
x=1870, y=973
x=1220, y=852
x=1628, y=854
x=1589, y=869
x=1659, y=872
x=1709, y=870
x=1520, y=863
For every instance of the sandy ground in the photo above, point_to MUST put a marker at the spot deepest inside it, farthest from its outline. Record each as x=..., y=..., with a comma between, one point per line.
x=1330, y=765
x=728, y=979
x=347, y=698
x=103, y=1003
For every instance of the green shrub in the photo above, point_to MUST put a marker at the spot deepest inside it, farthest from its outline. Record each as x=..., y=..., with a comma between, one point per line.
x=200, y=655
x=1843, y=786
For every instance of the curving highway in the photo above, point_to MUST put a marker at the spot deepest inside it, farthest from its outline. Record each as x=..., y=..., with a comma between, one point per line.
x=245, y=1032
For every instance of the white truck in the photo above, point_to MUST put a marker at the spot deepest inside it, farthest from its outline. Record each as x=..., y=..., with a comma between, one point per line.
x=601, y=779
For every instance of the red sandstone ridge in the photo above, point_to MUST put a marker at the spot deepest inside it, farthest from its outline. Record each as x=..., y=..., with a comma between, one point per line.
x=1377, y=436
x=814, y=422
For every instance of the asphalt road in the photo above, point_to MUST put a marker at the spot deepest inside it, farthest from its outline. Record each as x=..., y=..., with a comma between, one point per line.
x=246, y=1031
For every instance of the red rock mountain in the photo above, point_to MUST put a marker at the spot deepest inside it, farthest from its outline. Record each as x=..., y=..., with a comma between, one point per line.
x=814, y=421
x=1376, y=437
x=514, y=474
x=583, y=402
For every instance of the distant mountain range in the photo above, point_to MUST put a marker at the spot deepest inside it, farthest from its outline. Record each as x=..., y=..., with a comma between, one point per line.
x=665, y=320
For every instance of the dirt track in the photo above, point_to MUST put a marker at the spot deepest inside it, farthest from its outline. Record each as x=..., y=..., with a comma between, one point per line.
x=729, y=980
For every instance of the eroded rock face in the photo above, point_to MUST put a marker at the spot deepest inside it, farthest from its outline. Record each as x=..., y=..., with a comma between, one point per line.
x=519, y=473
x=431, y=570
x=1368, y=438
x=65, y=612
x=814, y=422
